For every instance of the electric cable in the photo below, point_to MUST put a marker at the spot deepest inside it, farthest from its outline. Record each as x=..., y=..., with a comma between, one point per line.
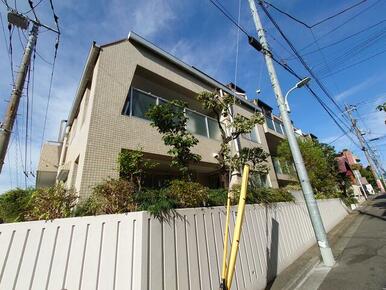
x=290, y=70
x=49, y=95
x=319, y=22
x=339, y=41
x=336, y=139
x=353, y=64
x=320, y=84
x=33, y=10
x=224, y=11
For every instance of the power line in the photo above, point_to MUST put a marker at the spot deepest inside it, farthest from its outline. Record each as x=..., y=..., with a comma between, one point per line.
x=321, y=85
x=319, y=22
x=52, y=71
x=33, y=9
x=330, y=112
x=224, y=11
x=352, y=52
x=340, y=40
x=7, y=48
x=353, y=64
x=336, y=139
x=49, y=96
x=341, y=25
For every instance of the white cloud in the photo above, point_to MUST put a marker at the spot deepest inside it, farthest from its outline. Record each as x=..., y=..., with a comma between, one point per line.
x=144, y=17
x=357, y=88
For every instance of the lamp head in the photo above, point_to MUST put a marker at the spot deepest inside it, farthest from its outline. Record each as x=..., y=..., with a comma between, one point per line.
x=303, y=82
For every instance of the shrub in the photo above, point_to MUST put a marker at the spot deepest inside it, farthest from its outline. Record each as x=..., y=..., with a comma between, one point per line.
x=110, y=197
x=217, y=197
x=264, y=195
x=188, y=194
x=51, y=203
x=157, y=202
x=15, y=205
x=132, y=165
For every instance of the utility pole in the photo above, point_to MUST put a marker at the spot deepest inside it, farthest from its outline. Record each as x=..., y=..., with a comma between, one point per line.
x=360, y=137
x=13, y=105
x=313, y=210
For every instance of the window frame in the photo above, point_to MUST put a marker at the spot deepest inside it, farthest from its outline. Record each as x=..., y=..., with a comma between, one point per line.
x=129, y=107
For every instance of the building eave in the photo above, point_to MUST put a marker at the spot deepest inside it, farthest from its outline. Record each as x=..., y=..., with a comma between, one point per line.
x=133, y=37
x=86, y=76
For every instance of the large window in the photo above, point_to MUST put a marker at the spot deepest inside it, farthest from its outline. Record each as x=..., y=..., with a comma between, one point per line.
x=269, y=122
x=196, y=123
x=258, y=180
x=253, y=135
x=141, y=103
x=279, y=127
x=214, y=131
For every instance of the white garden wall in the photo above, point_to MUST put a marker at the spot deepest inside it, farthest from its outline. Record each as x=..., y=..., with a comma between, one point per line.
x=135, y=251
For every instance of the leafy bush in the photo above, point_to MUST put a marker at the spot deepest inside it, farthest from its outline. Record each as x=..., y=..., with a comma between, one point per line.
x=15, y=205
x=320, y=163
x=217, y=197
x=157, y=202
x=132, y=165
x=264, y=195
x=110, y=197
x=188, y=194
x=51, y=203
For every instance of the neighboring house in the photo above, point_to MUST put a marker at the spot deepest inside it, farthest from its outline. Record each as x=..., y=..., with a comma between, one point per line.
x=120, y=81
x=359, y=183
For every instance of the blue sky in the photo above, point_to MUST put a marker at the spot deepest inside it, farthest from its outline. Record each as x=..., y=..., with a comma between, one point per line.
x=199, y=34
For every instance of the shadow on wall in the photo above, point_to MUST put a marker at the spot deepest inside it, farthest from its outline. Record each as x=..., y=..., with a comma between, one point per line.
x=272, y=251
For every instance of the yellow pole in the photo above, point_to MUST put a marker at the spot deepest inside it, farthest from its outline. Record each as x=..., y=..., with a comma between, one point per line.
x=239, y=223
x=226, y=236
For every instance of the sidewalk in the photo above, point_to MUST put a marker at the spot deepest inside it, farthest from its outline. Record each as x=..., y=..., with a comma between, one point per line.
x=359, y=246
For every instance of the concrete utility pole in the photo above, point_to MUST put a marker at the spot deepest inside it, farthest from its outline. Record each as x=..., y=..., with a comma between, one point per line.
x=313, y=210
x=360, y=137
x=10, y=115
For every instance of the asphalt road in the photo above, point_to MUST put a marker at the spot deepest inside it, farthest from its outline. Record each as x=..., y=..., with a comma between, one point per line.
x=362, y=264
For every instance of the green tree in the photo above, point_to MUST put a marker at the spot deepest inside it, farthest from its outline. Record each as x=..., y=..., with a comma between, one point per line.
x=231, y=127
x=52, y=203
x=133, y=166
x=320, y=163
x=366, y=172
x=15, y=205
x=170, y=121
x=109, y=197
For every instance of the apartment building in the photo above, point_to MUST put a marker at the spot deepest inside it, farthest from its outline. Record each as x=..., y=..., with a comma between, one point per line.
x=120, y=81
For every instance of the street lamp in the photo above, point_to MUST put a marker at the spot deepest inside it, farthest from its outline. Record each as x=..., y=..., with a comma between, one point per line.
x=298, y=85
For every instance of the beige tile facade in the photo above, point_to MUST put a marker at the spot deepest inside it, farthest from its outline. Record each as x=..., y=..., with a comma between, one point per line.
x=99, y=131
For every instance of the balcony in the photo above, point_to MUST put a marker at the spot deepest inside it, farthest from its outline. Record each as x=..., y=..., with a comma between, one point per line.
x=274, y=132
x=285, y=172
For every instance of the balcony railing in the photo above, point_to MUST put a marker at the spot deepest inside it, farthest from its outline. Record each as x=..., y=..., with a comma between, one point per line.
x=283, y=167
x=275, y=125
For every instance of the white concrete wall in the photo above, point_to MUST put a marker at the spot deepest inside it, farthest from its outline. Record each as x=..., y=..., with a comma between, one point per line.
x=135, y=251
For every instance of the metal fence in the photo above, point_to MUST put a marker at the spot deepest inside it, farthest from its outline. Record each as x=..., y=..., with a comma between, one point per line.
x=136, y=251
